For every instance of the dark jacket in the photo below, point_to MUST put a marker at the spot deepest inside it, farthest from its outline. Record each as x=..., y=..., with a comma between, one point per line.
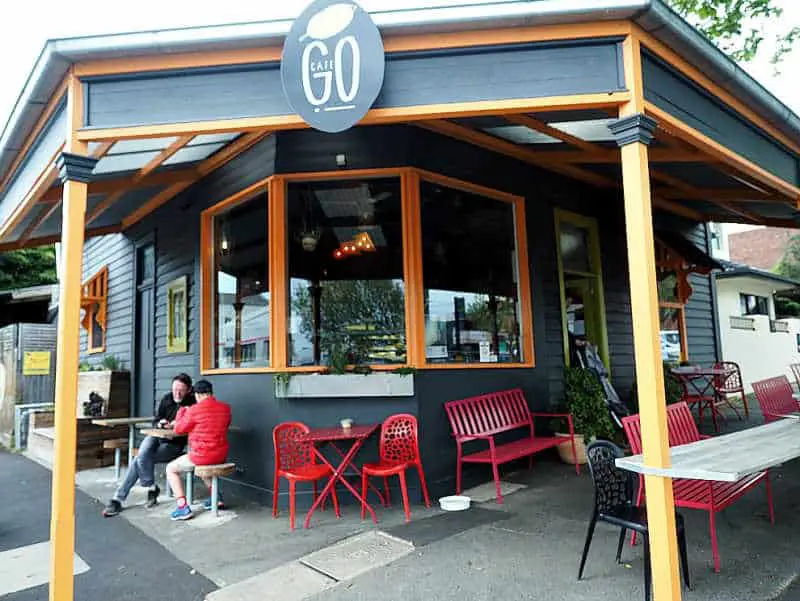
x=207, y=424
x=168, y=409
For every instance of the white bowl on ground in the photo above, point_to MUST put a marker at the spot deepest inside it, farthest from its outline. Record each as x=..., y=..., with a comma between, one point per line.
x=454, y=503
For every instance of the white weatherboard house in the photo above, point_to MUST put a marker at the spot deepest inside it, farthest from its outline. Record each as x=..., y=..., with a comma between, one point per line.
x=750, y=333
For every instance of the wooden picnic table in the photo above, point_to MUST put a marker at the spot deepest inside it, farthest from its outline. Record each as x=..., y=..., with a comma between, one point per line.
x=730, y=457
x=131, y=422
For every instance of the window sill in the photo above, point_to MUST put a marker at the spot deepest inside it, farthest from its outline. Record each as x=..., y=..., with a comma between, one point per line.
x=376, y=384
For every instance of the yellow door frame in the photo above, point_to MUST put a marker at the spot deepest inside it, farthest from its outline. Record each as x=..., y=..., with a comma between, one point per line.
x=590, y=225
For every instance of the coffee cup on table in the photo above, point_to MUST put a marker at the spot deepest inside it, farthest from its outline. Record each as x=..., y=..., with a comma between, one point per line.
x=346, y=423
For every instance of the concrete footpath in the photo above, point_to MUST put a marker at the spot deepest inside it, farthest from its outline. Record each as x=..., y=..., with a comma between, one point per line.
x=526, y=549
x=114, y=559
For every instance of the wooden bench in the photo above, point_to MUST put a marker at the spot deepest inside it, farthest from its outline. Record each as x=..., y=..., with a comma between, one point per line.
x=711, y=496
x=117, y=444
x=216, y=471
x=483, y=417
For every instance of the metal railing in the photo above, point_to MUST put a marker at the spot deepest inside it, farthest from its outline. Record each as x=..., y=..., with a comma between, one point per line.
x=778, y=326
x=742, y=323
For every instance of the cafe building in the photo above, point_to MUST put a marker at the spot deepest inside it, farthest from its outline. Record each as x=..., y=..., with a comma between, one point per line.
x=444, y=198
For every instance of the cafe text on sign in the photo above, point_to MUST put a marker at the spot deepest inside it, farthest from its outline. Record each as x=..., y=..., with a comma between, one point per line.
x=333, y=65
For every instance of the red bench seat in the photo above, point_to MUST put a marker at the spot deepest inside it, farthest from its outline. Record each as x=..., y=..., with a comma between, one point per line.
x=481, y=418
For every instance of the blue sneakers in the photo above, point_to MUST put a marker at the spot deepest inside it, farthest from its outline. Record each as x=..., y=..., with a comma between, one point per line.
x=182, y=513
x=220, y=503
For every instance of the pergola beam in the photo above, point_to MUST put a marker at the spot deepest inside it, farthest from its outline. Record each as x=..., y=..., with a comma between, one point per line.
x=44, y=215
x=722, y=154
x=601, y=156
x=212, y=163
x=108, y=186
x=151, y=166
x=489, y=142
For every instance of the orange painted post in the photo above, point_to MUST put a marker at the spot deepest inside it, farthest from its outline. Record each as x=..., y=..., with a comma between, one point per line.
x=633, y=133
x=75, y=169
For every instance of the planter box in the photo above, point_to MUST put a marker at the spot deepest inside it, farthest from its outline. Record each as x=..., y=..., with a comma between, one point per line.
x=113, y=386
x=346, y=385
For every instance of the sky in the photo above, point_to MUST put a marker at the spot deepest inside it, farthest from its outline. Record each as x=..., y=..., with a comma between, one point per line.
x=24, y=32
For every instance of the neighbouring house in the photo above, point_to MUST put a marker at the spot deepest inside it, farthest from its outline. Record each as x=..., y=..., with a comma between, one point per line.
x=34, y=304
x=761, y=247
x=251, y=215
x=751, y=333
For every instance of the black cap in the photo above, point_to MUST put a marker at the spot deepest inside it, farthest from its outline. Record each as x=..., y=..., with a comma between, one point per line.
x=203, y=387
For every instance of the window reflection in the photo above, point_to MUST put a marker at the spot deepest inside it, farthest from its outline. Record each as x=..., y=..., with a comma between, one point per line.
x=347, y=293
x=470, y=277
x=241, y=286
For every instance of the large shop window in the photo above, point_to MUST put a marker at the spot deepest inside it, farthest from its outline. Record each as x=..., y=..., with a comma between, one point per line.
x=240, y=283
x=345, y=266
x=470, y=277
x=94, y=302
x=380, y=268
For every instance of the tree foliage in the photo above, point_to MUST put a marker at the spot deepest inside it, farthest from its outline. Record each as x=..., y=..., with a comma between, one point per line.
x=740, y=27
x=352, y=311
x=789, y=265
x=28, y=267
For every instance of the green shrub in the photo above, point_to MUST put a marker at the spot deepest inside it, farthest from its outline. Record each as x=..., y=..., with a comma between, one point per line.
x=585, y=401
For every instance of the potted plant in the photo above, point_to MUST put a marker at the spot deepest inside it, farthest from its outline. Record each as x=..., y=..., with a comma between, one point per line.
x=103, y=389
x=585, y=401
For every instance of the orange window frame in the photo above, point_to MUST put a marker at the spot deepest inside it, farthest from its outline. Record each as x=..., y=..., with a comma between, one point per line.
x=410, y=178
x=94, y=302
x=681, y=308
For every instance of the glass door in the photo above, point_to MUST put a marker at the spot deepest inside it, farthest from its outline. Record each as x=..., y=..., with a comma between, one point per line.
x=581, y=284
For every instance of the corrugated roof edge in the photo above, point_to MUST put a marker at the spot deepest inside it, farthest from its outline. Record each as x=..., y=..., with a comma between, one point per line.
x=652, y=15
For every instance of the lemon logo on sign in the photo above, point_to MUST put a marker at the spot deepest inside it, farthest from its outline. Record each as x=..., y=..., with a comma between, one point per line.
x=333, y=65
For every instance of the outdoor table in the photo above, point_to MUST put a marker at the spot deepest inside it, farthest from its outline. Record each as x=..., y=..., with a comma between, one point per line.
x=131, y=422
x=165, y=433
x=700, y=384
x=356, y=435
x=727, y=458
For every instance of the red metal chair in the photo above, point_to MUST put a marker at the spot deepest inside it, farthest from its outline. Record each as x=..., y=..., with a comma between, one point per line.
x=731, y=384
x=696, y=494
x=775, y=398
x=795, y=367
x=295, y=461
x=398, y=450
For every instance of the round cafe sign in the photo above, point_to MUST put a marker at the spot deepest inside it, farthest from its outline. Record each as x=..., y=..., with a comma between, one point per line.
x=332, y=66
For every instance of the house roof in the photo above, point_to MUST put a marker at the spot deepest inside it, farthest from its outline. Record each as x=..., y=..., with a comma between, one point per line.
x=654, y=16
x=739, y=270
x=31, y=293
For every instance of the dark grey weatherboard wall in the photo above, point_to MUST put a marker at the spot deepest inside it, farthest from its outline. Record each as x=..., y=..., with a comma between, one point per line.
x=672, y=92
x=256, y=409
x=116, y=252
x=412, y=78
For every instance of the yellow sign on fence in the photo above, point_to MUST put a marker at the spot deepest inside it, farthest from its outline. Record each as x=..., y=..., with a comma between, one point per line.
x=36, y=363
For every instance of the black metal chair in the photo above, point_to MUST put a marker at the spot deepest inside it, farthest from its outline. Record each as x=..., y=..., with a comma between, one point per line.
x=614, y=504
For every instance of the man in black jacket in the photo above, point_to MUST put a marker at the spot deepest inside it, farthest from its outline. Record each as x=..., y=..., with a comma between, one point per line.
x=155, y=450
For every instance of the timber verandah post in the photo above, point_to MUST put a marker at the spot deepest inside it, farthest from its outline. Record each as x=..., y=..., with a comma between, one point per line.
x=633, y=132
x=75, y=169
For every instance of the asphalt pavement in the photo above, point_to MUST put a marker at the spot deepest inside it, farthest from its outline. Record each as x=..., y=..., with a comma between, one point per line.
x=124, y=564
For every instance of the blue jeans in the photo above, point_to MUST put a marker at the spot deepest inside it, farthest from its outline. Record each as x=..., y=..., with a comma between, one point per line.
x=142, y=468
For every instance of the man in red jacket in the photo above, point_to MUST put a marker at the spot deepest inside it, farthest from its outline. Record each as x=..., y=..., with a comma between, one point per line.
x=207, y=424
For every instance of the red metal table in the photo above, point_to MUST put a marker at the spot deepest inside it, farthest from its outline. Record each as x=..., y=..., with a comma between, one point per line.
x=700, y=387
x=356, y=435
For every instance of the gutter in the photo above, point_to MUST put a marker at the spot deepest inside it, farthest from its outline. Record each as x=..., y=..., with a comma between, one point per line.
x=652, y=15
